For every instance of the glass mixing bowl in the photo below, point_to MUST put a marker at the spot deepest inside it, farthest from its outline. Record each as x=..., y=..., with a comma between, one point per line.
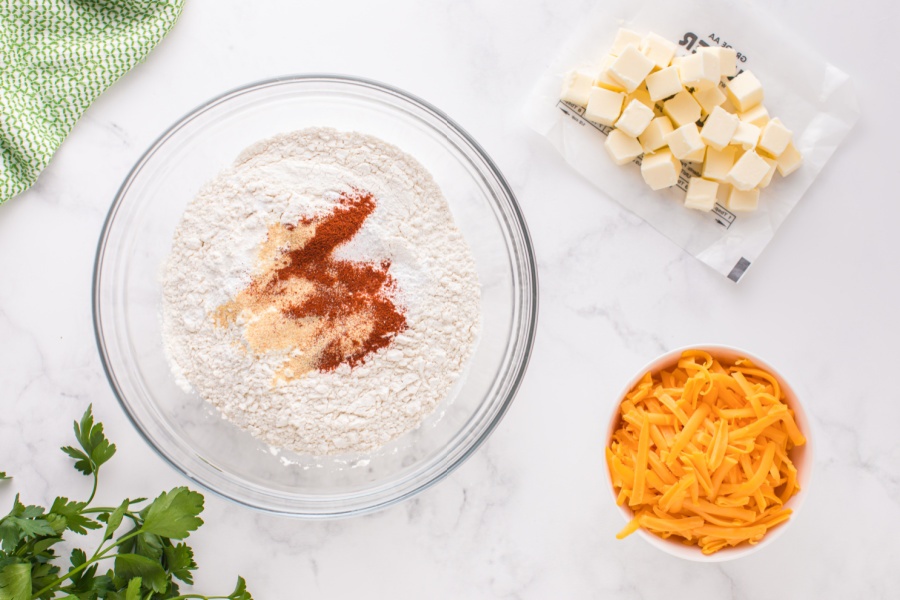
x=188, y=432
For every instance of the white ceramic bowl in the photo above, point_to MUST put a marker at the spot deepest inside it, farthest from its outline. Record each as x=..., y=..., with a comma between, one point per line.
x=802, y=456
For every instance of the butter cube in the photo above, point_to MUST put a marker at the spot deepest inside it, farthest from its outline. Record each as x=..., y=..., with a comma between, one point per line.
x=789, y=161
x=743, y=200
x=697, y=156
x=746, y=135
x=768, y=177
x=708, y=98
x=748, y=171
x=718, y=163
x=758, y=115
x=682, y=109
x=658, y=49
x=699, y=70
x=603, y=106
x=745, y=91
x=727, y=59
x=660, y=170
x=603, y=79
x=719, y=128
x=723, y=193
x=625, y=37
x=622, y=148
x=654, y=137
x=774, y=138
x=701, y=194
x=631, y=68
x=577, y=87
x=664, y=83
x=727, y=105
x=634, y=119
x=685, y=141
x=641, y=95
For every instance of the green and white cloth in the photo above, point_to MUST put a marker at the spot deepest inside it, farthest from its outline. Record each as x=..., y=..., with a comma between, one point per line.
x=56, y=57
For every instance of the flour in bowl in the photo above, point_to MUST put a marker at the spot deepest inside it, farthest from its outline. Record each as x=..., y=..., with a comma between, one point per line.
x=319, y=293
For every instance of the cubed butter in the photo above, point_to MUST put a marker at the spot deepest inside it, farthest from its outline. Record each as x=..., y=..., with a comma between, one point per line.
x=758, y=115
x=604, y=106
x=708, y=98
x=789, y=161
x=634, y=119
x=697, y=156
x=682, y=109
x=625, y=37
x=699, y=70
x=654, y=137
x=748, y=171
x=660, y=170
x=641, y=95
x=658, y=49
x=684, y=141
x=701, y=194
x=723, y=193
x=577, y=86
x=631, y=68
x=743, y=200
x=768, y=177
x=774, y=138
x=718, y=163
x=745, y=91
x=663, y=83
x=602, y=79
x=719, y=128
x=622, y=147
x=746, y=135
x=727, y=59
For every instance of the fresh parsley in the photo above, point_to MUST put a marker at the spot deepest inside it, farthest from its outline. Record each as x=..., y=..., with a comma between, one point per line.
x=136, y=548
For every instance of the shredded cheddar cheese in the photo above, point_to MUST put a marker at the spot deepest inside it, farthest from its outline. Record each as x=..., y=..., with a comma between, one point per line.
x=702, y=452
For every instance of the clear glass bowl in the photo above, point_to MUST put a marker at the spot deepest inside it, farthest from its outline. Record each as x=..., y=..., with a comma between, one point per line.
x=188, y=432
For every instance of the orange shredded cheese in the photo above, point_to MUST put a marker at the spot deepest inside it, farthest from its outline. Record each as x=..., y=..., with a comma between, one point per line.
x=702, y=452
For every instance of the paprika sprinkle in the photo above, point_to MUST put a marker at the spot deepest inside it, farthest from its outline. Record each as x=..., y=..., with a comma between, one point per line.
x=325, y=311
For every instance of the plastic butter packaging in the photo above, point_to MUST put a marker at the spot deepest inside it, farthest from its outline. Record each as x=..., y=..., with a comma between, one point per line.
x=813, y=101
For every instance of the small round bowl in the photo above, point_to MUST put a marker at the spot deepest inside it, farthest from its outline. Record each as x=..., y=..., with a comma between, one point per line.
x=801, y=456
x=188, y=432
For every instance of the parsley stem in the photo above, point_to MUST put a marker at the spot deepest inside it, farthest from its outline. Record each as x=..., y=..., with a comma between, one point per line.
x=106, y=509
x=100, y=554
x=94, y=488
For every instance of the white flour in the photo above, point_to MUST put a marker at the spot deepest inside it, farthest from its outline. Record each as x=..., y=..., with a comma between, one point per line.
x=283, y=179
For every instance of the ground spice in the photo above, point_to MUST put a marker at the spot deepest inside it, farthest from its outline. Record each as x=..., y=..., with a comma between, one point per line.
x=327, y=311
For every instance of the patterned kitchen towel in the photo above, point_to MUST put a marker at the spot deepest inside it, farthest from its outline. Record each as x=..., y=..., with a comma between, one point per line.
x=56, y=57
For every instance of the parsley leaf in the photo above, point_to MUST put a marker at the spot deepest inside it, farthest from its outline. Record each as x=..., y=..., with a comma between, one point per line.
x=71, y=512
x=23, y=522
x=78, y=557
x=134, y=589
x=174, y=514
x=180, y=562
x=15, y=582
x=3, y=476
x=115, y=519
x=240, y=591
x=97, y=449
x=153, y=576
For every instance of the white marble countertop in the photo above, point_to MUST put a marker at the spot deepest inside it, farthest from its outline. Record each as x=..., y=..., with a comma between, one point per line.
x=528, y=516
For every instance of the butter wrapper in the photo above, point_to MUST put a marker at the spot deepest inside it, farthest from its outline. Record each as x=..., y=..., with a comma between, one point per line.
x=811, y=97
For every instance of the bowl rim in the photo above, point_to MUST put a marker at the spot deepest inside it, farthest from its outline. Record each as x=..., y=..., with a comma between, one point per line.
x=692, y=553
x=526, y=324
